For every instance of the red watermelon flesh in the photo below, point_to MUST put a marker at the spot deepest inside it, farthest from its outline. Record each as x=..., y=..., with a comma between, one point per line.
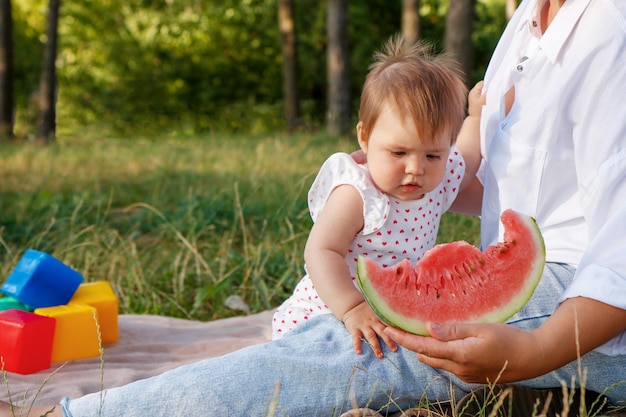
x=457, y=282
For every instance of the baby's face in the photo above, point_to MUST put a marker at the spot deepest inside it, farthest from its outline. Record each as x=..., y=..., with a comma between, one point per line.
x=401, y=164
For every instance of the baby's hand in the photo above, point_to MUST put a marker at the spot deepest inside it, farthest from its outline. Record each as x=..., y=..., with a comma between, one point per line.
x=476, y=99
x=362, y=323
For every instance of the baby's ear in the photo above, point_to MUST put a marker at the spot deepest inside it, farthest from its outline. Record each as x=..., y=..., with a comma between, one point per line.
x=361, y=137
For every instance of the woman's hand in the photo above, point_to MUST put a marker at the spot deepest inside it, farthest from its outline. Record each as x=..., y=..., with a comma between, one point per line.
x=490, y=353
x=476, y=353
x=362, y=323
x=359, y=157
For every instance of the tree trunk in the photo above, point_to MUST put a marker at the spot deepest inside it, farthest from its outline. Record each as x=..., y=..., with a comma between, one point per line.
x=6, y=70
x=286, y=25
x=458, y=37
x=46, y=120
x=338, y=67
x=411, y=19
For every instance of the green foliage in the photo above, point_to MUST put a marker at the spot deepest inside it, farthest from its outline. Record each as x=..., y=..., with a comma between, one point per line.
x=491, y=19
x=145, y=67
x=174, y=65
x=175, y=225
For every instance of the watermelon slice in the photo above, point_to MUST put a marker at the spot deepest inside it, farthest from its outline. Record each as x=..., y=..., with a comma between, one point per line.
x=457, y=282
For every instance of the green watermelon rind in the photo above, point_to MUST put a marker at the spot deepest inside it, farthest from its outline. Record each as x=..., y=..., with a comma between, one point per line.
x=498, y=315
x=381, y=308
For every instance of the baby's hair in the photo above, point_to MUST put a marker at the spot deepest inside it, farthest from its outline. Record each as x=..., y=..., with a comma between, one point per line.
x=425, y=87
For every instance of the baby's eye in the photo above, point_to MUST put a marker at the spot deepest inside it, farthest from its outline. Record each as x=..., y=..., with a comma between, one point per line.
x=433, y=156
x=398, y=153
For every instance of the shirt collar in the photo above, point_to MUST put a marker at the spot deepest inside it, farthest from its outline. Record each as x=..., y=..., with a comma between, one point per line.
x=554, y=39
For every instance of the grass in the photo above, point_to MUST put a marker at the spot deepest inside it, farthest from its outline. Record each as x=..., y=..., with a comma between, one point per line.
x=175, y=225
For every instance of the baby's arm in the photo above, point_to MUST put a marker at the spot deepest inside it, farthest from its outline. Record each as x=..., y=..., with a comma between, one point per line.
x=469, y=199
x=468, y=140
x=328, y=243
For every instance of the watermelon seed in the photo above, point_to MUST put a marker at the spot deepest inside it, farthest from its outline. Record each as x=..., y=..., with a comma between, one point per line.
x=418, y=287
x=460, y=272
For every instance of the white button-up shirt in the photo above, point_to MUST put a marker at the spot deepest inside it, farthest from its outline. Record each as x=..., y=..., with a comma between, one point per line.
x=559, y=154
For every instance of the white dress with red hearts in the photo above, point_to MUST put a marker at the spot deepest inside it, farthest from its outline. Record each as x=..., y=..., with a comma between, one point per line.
x=393, y=229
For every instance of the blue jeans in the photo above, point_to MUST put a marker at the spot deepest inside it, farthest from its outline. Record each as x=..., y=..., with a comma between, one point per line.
x=313, y=371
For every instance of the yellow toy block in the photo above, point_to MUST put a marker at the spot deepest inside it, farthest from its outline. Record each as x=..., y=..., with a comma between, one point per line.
x=76, y=333
x=100, y=295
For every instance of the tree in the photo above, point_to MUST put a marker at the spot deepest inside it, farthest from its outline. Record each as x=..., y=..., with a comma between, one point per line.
x=6, y=70
x=338, y=64
x=197, y=66
x=286, y=25
x=411, y=19
x=46, y=120
x=458, y=35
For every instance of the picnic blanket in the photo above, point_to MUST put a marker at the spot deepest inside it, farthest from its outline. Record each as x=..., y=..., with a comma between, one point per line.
x=148, y=345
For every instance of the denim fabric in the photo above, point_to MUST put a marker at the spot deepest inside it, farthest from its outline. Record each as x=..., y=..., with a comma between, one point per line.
x=313, y=371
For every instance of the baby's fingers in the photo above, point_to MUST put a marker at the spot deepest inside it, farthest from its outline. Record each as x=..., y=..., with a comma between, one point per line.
x=393, y=346
x=379, y=330
x=356, y=342
x=371, y=338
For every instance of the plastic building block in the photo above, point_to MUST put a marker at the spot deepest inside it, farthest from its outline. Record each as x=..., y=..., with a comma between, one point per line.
x=100, y=295
x=26, y=342
x=76, y=332
x=40, y=280
x=8, y=303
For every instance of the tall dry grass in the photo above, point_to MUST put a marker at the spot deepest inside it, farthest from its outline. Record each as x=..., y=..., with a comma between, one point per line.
x=175, y=225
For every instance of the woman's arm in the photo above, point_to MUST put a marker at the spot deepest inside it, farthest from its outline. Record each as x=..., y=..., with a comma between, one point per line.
x=484, y=353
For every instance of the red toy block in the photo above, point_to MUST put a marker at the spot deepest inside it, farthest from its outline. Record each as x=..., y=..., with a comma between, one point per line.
x=100, y=296
x=26, y=342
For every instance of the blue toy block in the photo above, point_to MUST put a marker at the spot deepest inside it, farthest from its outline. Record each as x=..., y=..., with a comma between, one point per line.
x=39, y=280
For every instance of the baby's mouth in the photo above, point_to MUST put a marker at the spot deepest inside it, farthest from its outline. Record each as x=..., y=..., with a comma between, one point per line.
x=410, y=187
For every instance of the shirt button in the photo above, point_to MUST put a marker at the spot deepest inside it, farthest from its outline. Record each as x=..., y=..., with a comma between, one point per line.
x=535, y=24
x=519, y=66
